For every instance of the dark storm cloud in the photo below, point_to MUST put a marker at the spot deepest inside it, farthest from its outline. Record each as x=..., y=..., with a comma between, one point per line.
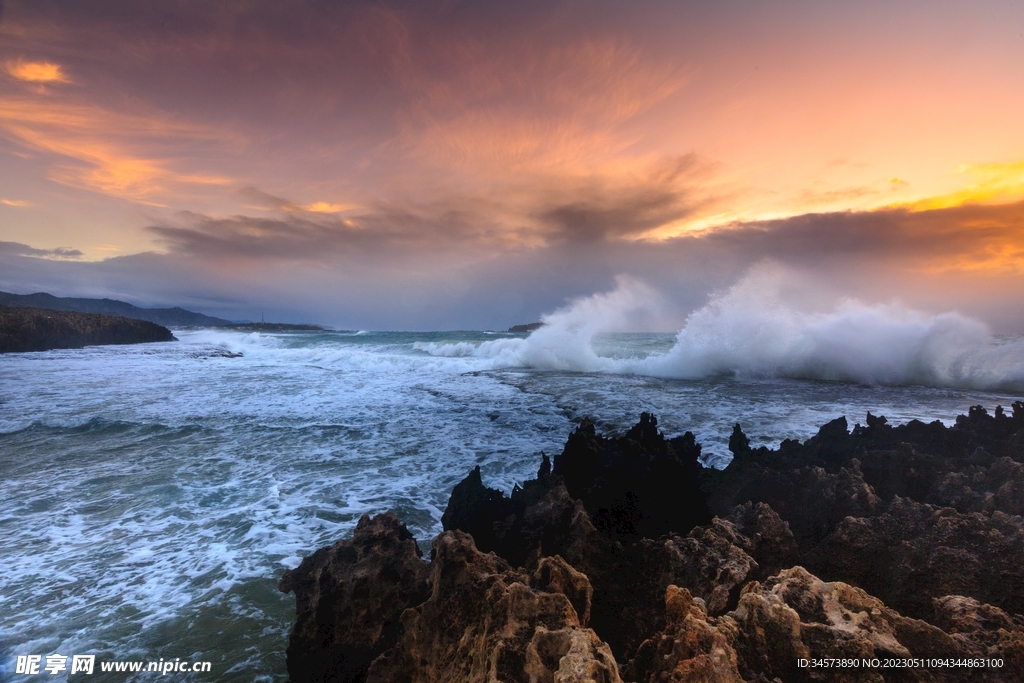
x=603, y=212
x=17, y=249
x=947, y=238
x=597, y=212
x=941, y=239
x=964, y=237
x=383, y=232
x=316, y=268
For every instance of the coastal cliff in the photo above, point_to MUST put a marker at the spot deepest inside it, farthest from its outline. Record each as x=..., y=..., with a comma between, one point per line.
x=625, y=559
x=36, y=329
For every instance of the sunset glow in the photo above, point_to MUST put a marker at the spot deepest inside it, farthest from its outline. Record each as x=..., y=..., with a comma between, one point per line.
x=381, y=151
x=35, y=72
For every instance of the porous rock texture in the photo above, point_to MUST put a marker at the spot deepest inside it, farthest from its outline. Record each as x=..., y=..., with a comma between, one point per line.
x=486, y=621
x=876, y=542
x=794, y=616
x=349, y=599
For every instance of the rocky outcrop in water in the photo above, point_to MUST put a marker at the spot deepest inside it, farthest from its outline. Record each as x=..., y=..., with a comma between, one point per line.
x=872, y=543
x=35, y=329
x=526, y=327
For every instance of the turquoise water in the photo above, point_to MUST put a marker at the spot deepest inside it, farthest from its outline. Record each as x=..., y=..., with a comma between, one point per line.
x=154, y=494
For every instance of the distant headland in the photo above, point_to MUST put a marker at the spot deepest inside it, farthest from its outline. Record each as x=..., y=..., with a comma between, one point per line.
x=36, y=329
x=528, y=327
x=172, y=317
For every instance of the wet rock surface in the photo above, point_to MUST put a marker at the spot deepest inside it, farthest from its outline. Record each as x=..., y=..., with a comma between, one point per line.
x=626, y=560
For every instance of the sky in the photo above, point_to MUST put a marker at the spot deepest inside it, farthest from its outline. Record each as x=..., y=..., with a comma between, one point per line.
x=472, y=165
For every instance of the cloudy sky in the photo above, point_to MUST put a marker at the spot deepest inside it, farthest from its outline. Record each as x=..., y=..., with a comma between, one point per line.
x=398, y=165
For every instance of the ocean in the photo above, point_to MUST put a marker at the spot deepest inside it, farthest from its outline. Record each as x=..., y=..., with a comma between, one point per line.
x=154, y=494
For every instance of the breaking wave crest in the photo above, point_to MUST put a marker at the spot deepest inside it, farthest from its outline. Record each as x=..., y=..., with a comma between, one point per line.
x=751, y=330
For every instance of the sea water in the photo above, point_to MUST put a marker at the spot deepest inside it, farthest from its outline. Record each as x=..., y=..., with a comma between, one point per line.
x=154, y=494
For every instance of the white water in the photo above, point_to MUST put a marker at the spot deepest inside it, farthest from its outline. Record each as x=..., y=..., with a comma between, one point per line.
x=154, y=494
x=752, y=331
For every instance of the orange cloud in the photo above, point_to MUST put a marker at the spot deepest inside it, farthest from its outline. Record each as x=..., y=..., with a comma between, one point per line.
x=124, y=155
x=13, y=202
x=528, y=106
x=36, y=72
x=327, y=207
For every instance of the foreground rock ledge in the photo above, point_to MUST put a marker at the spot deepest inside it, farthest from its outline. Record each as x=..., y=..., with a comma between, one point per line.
x=842, y=547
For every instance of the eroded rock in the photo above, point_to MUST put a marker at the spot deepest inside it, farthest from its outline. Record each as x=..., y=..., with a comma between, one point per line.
x=793, y=616
x=487, y=621
x=915, y=552
x=590, y=562
x=349, y=599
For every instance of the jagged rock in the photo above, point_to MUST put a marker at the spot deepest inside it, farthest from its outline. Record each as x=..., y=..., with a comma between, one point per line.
x=349, y=598
x=716, y=561
x=708, y=563
x=484, y=513
x=978, y=488
x=629, y=575
x=914, y=461
x=914, y=552
x=691, y=648
x=487, y=621
x=984, y=630
x=555, y=575
x=540, y=518
x=763, y=535
x=794, y=616
x=591, y=561
x=640, y=484
x=810, y=499
x=849, y=498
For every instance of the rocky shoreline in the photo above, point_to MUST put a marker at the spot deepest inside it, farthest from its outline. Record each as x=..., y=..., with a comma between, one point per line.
x=626, y=560
x=37, y=329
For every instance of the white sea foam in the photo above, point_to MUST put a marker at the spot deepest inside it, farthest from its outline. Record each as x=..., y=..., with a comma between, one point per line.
x=156, y=492
x=753, y=330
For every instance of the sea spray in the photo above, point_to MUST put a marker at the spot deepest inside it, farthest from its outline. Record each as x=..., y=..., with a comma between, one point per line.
x=752, y=331
x=759, y=329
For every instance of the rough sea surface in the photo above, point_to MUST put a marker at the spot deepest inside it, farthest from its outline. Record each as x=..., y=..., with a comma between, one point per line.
x=154, y=494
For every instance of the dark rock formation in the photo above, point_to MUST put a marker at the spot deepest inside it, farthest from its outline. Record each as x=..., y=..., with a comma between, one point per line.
x=485, y=621
x=527, y=327
x=984, y=631
x=640, y=484
x=914, y=552
x=34, y=329
x=908, y=513
x=795, y=616
x=349, y=598
x=611, y=554
x=594, y=508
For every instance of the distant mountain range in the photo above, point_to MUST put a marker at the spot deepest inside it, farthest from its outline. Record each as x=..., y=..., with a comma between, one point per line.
x=177, y=317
